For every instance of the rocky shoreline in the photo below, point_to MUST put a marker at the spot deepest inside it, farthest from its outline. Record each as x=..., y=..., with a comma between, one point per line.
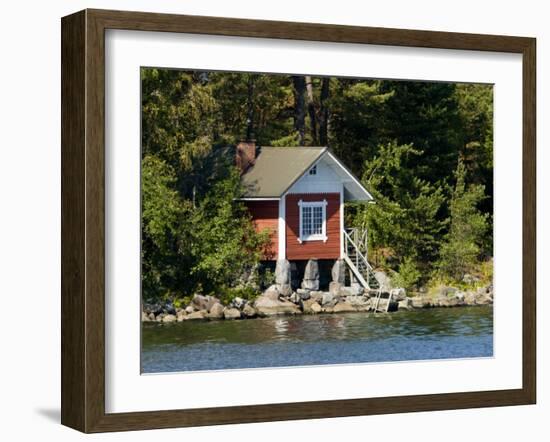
x=339, y=299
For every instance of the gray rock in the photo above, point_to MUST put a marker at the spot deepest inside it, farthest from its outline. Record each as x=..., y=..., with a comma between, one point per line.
x=405, y=304
x=201, y=314
x=282, y=272
x=343, y=307
x=181, y=316
x=303, y=294
x=201, y=302
x=354, y=290
x=398, y=294
x=169, y=318
x=316, y=295
x=446, y=291
x=421, y=302
x=361, y=302
x=285, y=289
x=311, y=307
x=384, y=280
x=266, y=306
x=151, y=316
x=339, y=272
x=189, y=309
x=216, y=311
x=231, y=313
x=327, y=299
x=249, y=311
x=295, y=298
x=311, y=275
x=144, y=317
x=335, y=288
x=149, y=308
x=272, y=293
x=160, y=317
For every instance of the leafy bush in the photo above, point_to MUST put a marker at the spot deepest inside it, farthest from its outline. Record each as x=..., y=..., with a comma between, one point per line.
x=408, y=275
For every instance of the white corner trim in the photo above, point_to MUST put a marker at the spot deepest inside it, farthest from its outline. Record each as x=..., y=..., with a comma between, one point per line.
x=353, y=179
x=281, y=229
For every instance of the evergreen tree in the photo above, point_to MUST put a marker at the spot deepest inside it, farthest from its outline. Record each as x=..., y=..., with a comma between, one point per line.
x=463, y=244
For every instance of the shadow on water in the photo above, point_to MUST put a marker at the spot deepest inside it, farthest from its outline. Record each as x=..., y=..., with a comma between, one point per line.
x=322, y=339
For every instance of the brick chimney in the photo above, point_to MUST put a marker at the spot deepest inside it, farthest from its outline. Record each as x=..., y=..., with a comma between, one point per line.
x=245, y=154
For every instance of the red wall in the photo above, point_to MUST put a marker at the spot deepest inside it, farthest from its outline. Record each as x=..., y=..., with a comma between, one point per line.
x=313, y=249
x=266, y=216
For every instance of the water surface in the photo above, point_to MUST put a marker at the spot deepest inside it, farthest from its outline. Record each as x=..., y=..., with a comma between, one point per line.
x=464, y=332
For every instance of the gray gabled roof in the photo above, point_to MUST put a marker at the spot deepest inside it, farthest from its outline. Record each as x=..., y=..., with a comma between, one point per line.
x=278, y=168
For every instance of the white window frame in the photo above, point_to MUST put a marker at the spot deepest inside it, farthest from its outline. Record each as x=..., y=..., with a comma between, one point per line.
x=315, y=237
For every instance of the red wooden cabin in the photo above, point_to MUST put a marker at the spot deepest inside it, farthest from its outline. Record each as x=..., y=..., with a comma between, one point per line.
x=299, y=193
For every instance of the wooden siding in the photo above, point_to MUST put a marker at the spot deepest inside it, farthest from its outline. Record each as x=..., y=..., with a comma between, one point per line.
x=313, y=249
x=265, y=215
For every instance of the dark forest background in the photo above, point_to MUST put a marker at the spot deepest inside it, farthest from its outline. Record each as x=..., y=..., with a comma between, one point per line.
x=423, y=149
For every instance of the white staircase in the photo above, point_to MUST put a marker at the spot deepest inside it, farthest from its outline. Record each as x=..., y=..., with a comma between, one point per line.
x=355, y=251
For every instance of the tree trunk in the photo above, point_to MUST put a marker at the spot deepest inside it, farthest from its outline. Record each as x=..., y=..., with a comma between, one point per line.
x=323, y=112
x=299, y=108
x=311, y=109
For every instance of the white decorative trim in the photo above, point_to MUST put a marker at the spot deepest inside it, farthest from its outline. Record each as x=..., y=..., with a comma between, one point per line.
x=281, y=229
x=341, y=227
x=323, y=236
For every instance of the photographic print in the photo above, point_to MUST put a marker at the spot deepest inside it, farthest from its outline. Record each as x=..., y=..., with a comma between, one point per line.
x=302, y=220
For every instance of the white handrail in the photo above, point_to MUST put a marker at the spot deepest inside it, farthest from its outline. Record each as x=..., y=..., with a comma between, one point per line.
x=348, y=238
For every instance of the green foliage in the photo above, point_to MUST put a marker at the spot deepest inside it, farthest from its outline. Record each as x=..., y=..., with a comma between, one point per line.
x=406, y=220
x=408, y=275
x=463, y=243
x=225, y=244
x=228, y=294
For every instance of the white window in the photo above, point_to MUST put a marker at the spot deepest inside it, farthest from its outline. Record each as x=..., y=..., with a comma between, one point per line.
x=313, y=220
x=313, y=170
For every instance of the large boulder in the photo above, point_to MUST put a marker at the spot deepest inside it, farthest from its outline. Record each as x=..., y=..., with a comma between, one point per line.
x=311, y=275
x=282, y=272
x=201, y=314
x=181, y=316
x=328, y=299
x=398, y=294
x=311, y=307
x=336, y=289
x=317, y=296
x=343, y=307
x=384, y=280
x=303, y=294
x=249, y=311
x=339, y=272
x=266, y=306
x=421, y=302
x=169, y=318
x=355, y=289
x=405, y=304
x=155, y=309
x=201, y=302
x=272, y=293
x=216, y=311
x=231, y=313
x=359, y=303
x=283, y=277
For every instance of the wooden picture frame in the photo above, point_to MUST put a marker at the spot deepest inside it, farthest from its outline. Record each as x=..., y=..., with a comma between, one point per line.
x=83, y=220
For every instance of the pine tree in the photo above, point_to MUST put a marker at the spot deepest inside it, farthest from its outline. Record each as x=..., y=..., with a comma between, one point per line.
x=463, y=244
